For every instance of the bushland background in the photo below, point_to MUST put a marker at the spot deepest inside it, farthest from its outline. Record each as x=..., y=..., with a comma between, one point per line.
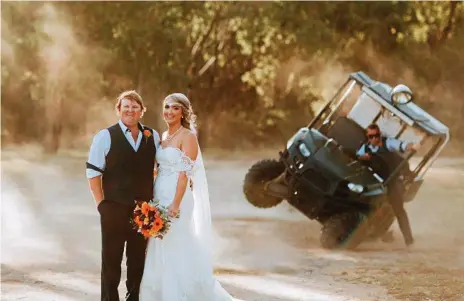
x=254, y=71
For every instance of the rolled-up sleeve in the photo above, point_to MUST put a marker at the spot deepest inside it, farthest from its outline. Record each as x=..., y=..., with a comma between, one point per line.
x=97, y=155
x=393, y=144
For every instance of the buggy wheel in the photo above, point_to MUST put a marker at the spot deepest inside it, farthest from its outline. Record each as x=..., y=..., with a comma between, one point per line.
x=258, y=174
x=343, y=231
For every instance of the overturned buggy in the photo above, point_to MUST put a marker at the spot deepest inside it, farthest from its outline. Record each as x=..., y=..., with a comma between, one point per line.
x=318, y=172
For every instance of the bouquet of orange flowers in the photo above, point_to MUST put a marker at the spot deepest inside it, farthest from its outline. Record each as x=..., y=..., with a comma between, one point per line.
x=151, y=219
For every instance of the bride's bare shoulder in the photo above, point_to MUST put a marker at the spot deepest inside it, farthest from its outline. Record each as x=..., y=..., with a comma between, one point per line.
x=189, y=133
x=189, y=143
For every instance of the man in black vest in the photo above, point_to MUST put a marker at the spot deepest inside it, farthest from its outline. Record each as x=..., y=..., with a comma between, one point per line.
x=120, y=170
x=377, y=144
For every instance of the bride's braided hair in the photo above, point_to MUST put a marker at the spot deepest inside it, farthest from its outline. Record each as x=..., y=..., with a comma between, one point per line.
x=189, y=118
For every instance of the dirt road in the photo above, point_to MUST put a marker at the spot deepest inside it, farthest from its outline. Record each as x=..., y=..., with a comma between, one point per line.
x=51, y=240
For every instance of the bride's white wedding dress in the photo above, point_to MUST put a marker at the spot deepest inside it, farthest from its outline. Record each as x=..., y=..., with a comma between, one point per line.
x=179, y=267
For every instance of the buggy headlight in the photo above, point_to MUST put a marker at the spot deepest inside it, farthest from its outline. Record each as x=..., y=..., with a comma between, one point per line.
x=355, y=187
x=401, y=95
x=304, y=150
x=300, y=132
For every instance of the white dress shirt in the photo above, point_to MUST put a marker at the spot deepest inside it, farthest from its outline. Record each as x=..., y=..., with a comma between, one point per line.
x=101, y=146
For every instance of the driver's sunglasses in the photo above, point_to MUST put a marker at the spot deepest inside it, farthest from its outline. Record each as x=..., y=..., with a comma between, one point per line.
x=372, y=136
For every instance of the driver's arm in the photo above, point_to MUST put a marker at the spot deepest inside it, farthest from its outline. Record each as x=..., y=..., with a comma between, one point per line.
x=396, y=145
x=361, y=154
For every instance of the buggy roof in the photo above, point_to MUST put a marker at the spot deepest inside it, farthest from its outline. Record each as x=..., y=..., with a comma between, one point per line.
x=420, y=117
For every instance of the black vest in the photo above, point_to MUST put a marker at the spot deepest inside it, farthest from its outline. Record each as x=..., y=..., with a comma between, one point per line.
x=382, y=149
x=128, y=174
x=391, y=158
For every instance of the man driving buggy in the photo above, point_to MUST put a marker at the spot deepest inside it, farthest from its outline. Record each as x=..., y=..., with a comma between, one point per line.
x=378, y=144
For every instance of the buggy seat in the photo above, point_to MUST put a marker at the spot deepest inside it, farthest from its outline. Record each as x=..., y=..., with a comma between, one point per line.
x=348, y=134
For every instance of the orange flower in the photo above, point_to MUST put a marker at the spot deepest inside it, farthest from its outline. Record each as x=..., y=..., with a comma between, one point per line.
x=145, y=208
x=146, y=233
x=157, y=225
x=147, y=133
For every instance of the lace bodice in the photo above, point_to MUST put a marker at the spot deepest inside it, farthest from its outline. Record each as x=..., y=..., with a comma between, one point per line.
x=172, y=159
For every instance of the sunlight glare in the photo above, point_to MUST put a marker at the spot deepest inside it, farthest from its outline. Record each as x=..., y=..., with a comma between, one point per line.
x=278, y=289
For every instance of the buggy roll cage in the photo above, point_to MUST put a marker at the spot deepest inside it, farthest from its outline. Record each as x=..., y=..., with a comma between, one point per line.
x=410, y=114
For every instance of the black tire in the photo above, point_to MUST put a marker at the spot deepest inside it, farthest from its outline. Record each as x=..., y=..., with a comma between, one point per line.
x=343, y=231
x=258, y=174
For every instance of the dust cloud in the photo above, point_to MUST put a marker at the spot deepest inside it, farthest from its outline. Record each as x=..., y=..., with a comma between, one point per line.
x=67, y=82
x=7, y=49
x=321, y=76
x=33, y=184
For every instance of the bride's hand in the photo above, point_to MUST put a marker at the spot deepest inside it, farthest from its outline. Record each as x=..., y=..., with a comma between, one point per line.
x=173, y=210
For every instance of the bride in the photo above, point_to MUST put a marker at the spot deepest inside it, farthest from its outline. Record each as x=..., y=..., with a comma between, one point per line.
x=179, y=267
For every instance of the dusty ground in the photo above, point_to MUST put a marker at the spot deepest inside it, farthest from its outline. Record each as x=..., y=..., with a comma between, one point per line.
x=50, y=240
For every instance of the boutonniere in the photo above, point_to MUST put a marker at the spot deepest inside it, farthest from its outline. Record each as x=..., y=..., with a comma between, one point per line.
x=147, y=135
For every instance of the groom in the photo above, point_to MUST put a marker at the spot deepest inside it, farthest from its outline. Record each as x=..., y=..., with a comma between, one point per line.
x=120, y=170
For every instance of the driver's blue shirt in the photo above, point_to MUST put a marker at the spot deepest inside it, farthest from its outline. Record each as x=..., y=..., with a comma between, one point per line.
x=392, y=145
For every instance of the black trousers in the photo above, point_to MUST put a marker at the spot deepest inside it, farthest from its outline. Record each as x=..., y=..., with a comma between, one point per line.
x=395, y=198
x=116, y=233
